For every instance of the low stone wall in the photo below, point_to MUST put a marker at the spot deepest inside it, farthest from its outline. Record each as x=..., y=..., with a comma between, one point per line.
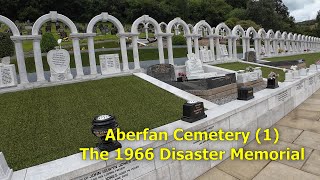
x=268, y=107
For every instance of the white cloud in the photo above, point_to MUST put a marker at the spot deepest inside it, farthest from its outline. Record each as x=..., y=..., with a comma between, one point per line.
x=303, y=10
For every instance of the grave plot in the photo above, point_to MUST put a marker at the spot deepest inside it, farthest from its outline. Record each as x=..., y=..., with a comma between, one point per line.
x=45, y=124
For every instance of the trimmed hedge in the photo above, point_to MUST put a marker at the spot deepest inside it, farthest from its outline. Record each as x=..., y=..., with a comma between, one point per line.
x=178, y=40
x=48, y=42
x=6, y=45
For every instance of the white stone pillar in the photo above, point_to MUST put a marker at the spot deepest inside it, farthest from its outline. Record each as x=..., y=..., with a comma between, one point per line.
x=256, y=46
x=169, y=48
x=189, y=43
x=211, y=42
x=244, y=46
x=267, y=46
x=124, y=53
x=92, y=57
x=217, y=41
x=20, y=61
x=135, y=51
x=275, y=47
x=196, y=46
x=230, y=46
x=77, y=56
x=160, y=48
x=146, y=31
x=38, y=59
x=234, y=43
x=176, y=31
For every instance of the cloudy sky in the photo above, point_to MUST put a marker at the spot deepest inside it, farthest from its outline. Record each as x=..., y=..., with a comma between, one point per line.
x=303, y=10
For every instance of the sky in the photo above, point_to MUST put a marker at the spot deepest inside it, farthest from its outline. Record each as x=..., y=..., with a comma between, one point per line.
x=303, y=10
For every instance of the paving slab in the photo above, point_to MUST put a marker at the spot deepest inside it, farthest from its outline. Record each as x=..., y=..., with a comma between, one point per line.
x=305, y=114
x=242, y=169
x=313, y=163
x=281, y=145
x=278, y=171
x=214, y=174
x=310, y=107
x=298, y=123
x=312, y=101
x=309, y=139
x=286, y=134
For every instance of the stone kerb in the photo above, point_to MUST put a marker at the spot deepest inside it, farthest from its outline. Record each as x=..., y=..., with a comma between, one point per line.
x=263, y=111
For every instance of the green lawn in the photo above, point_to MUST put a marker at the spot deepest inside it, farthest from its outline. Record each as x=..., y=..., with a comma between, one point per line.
x=242, y=66
x=45, y=124
x=145, y=54
x=310, y=58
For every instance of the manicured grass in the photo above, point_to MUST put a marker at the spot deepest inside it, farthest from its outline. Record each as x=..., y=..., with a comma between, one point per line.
x=309, y=58
x=145, y=54
x=242, y=66
x=45, y=124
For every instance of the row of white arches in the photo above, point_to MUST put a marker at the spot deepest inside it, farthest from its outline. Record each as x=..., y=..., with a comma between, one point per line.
x=298, y=43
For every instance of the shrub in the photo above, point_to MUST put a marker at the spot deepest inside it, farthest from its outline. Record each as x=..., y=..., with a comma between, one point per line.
x=48, y=42
x=6, y=45
x=178, y=40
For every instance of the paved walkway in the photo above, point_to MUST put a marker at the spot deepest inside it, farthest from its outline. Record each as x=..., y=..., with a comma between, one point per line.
x=300, y=128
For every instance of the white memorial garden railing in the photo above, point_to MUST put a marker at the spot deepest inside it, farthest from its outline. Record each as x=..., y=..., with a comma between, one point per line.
x=275, y=43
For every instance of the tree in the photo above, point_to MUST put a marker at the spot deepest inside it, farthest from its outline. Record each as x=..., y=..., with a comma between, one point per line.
x=48, y=42
x=6, y=45
x=237, y=3
x=238, y=13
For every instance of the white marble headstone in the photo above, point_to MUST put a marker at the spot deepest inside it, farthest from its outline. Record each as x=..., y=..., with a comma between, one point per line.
x=204, y=55
x=193, y=65
x=223, y=50
x=263, y=50
x=59, y=62
x=109, y=63
x=8, y=76
x=271, y=48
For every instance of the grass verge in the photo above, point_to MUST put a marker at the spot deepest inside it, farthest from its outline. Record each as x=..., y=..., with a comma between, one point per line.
x=45, y=124
x=311, y=58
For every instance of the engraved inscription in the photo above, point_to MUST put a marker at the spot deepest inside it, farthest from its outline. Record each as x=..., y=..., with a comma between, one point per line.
x=283, y=96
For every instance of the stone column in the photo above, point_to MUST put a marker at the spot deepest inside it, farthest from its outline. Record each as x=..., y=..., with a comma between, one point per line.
x=124, y=55
x=267, y=46
x=176, y=31
x=230, y=46
x=77, y=56
x=211, y=42
x=20, y=61
x=234, y=44
x=135, y=51
x=92, y=57
x=38, y=59
x=217, y=42
x=160, y=48
x=146, y=31
x=196, y=45
x=189, y=43
x=275, y=47
x=169, y=48
x=256, y=46
x=244, y=46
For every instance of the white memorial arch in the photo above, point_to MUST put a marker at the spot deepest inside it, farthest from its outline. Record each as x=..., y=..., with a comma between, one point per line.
x=239, y=32
x=252, y=32
x=218, y=29
x=196, y=36
x=262, y=37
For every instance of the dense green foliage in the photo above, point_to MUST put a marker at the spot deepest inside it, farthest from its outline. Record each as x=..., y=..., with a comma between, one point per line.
x=179, y=40
x=45, y=124
x=48, y=42
x=6, y=45
x=270, y=14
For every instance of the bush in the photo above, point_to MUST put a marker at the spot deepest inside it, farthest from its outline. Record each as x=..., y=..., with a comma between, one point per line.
x=48, y=42
x=6, y=45
x=178, y=40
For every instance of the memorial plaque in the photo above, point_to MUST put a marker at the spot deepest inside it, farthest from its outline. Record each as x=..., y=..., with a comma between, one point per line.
x=204, y=55
x=193, y=111
x=299, y=86
x=124, y=170
x=59, y=62
x=109, y=63
x=245, y=93
x=8, y=76
x=163, y=72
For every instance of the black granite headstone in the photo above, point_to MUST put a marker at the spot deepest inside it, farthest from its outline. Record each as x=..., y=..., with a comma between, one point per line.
x=163, y=72
x=193, y=111
x=245, y=93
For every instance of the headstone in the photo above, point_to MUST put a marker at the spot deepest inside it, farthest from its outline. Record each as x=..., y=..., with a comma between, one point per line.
x=109, y=63
x=163, y=72
x=59, y=62
x=5, y=172
x=251, y=56
x=263, y=50
x=245, y=93
x=194, y=69
x=204, y=55
x=271, y=48
x=8, y=76
x=313, y=68
x=223, y=50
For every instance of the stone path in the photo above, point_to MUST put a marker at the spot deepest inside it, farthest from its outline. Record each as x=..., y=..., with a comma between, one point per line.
x=300, y=128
